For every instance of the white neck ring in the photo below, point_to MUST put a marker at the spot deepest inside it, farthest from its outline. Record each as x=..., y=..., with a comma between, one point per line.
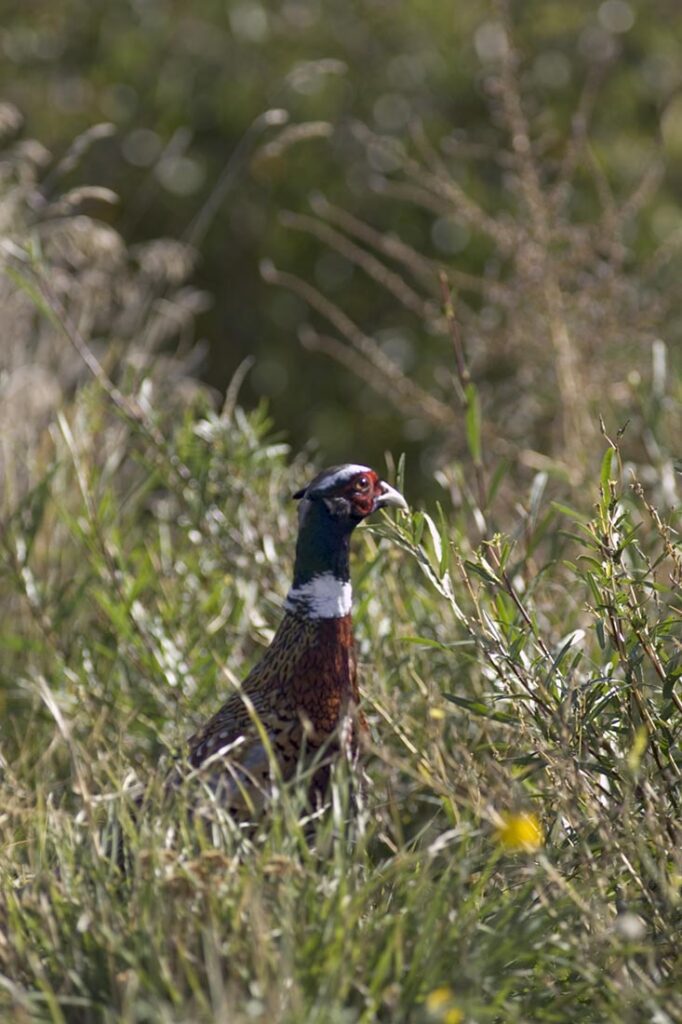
x=322, y=597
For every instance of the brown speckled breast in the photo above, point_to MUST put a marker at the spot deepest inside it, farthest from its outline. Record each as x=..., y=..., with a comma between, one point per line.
x=304, y=692
x=325, y=682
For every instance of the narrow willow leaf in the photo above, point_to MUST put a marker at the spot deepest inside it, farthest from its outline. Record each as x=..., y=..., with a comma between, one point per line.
x=477, y=707
x=479, y=571
x=606, y=471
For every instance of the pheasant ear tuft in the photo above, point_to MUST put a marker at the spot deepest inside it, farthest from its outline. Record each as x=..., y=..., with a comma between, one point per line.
x=299, y=494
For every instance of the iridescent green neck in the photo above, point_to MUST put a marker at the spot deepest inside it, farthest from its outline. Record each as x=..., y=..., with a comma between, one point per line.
x=323, y=545
x=321, y=587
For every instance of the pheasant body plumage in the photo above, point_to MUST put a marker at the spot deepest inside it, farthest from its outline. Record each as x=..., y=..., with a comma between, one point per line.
x=301, y=701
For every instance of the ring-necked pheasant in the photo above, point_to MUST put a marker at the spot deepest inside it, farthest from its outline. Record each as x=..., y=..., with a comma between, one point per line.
x=301, y=699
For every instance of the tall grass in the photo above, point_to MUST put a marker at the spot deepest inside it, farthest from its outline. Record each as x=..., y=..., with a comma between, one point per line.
x=518, y=855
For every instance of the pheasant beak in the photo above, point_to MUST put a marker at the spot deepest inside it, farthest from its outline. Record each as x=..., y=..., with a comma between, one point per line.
x=389, y=497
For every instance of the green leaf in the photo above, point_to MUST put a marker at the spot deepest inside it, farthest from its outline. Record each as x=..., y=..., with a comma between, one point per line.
x=569, y=512
x=498, y=476
x=477, y=707
x=426, y=641
x=536, y=493
x=444, y=563
x=506, y=609
x=574, y=638
x=479, y=571
x=606, y=471
x=400, y=474
x=418, y=527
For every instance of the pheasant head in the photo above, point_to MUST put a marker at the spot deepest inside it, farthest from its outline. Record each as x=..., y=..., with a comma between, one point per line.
x=330, y=508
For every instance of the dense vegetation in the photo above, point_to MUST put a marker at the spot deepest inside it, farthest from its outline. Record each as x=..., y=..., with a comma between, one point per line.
x=518, y=855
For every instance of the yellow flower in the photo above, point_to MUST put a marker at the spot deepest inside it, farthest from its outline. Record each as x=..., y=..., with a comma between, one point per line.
x=453, y=1016
x=439, y=1005
x=439, y=999
x=520, y=832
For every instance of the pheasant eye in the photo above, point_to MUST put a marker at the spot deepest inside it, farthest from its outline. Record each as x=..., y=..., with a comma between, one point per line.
x=362, y=483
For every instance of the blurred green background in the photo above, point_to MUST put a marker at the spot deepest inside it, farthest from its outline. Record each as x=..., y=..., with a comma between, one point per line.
x=185, y=84
x=324, y=163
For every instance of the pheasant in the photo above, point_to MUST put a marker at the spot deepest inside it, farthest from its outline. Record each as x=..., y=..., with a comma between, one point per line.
x=300, y=703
